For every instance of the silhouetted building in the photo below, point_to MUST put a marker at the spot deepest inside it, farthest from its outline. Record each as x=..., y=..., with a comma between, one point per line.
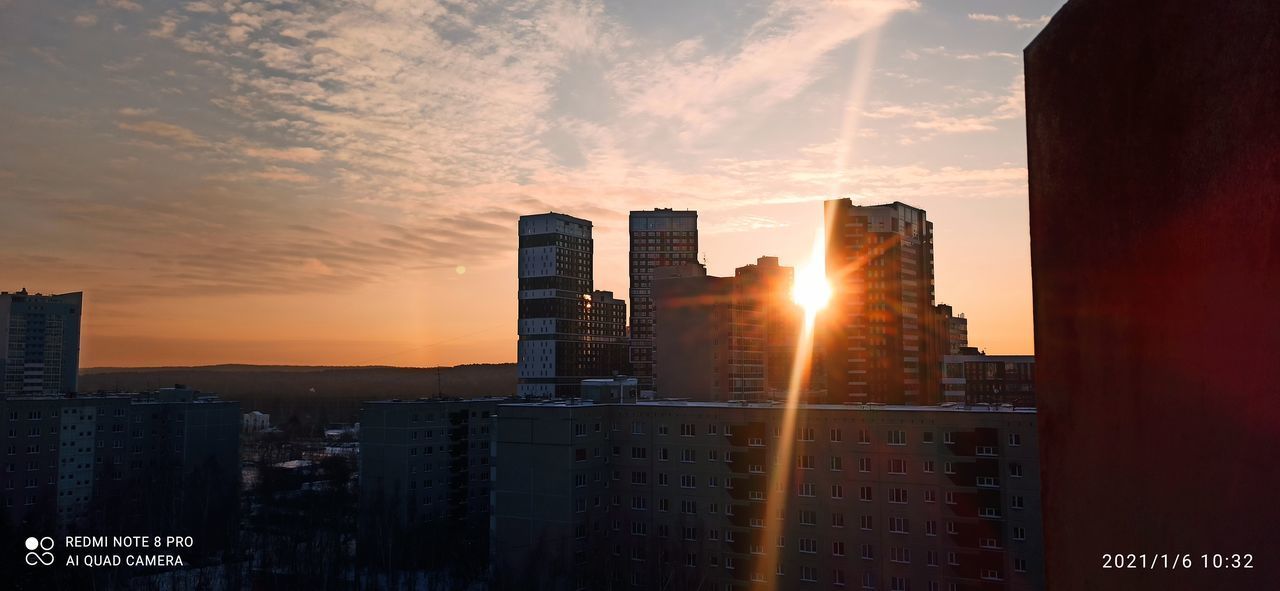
x=567, y=331
x=976, y=378
x=674, y=495
x=693, y=330
x=619, y=389
x=659, y=238
x=39, y=343
x=876, y=340
x=167, y=461
x=424, y=483
x=606, y=334
x=953, y=330
x=1153, y=134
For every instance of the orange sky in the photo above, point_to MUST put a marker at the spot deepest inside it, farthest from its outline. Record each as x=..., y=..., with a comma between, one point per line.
x=303, y=186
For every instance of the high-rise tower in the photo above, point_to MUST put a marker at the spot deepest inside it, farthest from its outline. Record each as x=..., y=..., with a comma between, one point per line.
x=659, y=238
x=39, y=343
x=880, y=263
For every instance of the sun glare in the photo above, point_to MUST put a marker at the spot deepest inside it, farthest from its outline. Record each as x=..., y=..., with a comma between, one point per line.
x=811, y=290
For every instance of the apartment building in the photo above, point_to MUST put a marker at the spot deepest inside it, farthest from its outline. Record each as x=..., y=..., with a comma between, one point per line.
x=39, y=343
x=424, y=481
x=682, y=496
x=659, y=238
x=165, y=461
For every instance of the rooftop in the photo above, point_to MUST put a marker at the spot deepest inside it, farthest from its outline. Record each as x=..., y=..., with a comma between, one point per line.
x=949, y=407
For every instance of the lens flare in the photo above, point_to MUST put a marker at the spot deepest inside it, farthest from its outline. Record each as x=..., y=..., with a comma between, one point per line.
x=811, y=290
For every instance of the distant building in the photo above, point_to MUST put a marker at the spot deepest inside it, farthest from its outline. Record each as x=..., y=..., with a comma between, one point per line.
x=676, y=495
x=255, y=422
x=424, y=482
x=567, y=330
x=606, y=334
x=619, y=389
x=167, y=461
x=876, y=340
x=764, y=289
x=693, y=333
x=659, y=238
x=39, y=343
x=952, y=330
x=977, y=378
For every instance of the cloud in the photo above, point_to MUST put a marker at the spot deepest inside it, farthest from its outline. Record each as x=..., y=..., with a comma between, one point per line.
x=1013, y=19
x=956, y=117
x=299, y=154
x=781, y=57
x=135, y=111
x=127, y=5
x=85, y=20
x=160, y=129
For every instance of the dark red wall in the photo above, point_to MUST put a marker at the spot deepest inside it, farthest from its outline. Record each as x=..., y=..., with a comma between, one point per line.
x=1154, y=153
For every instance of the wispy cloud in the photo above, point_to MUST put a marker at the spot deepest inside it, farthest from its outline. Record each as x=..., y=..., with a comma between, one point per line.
x=1013, y=19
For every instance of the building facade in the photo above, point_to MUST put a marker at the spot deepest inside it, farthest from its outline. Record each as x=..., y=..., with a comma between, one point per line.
x=39, y=343
x=875, y=338
x=424, y=482
x=693, y=333
x=659, y=238
x=167, y=461
x=567, y=331
x=1152, y=142
x=682, y=496
x=989, y=379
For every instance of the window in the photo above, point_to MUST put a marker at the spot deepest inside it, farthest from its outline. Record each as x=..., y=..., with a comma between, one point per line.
x=864, y=493
x=688, y=456
x=948, y=467
x=1020, y=565
x=837, y=577
x=836, y=435
x=639, y=453
x=688, y=430
x=930, y=495
x=837, y=520
x=897, y=466
x=1016, y=502
x=953, y=559
x=902, y=555
x=580, y=454
x=662, y=429
x=864, y=464
x=950, y=497
x=807, y=490
x=898, y=584
x=931, y=559
x=1015, y=439
x=837, y=548
x=928, y=466
x=808, y=517
x=951, y=528
x=897, y=438
x=868, y=552
x=987, y=482
x=836, y=463
x=898, y=495
x=989, y=543
x=580, y=430
x=640, y=503
x=579, y=480
x=928, y=436
x=1019, y=533
x=947, y=437
x=662, y=479
x=899, y=525
x=663, y=454
x=808, y=573
x=689, y=507
x=637, y=428
x=837, y=491
x=865, y=522
x=864, y=437
x=804, y=462
x=755, y=442
x=985, y=450
x=990, y=574
x=691, y=533
x=1015, y=469
x=930, y=528
x=639, y=478
x=688, y=481
x=808, y=546
x=806, y=434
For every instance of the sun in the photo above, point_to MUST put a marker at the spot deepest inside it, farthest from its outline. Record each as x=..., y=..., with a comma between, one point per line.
x=811, y=289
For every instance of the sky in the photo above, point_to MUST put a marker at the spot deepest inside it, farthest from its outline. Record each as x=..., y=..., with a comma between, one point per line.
x=338, y=183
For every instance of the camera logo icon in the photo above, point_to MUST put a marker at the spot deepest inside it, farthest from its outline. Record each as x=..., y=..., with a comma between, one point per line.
x=39, y=551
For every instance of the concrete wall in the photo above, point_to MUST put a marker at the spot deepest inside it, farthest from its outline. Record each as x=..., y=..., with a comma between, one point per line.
x=1154, y=158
